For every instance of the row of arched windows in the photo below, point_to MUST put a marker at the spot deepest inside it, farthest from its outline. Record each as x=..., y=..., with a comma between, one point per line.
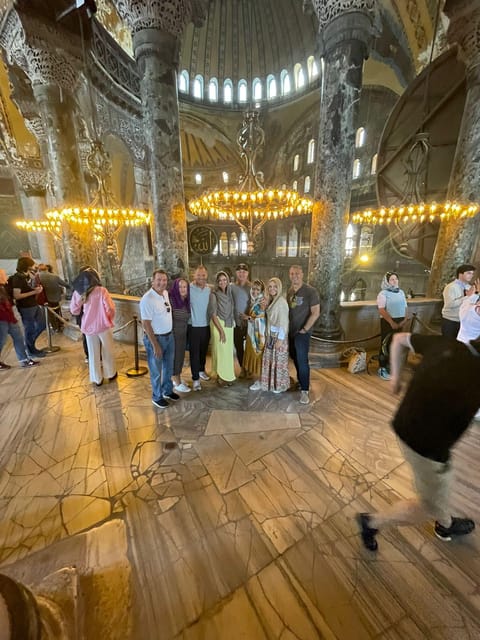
x=357, y=167
x=306, y=185
x=270, y=89
x=231, y=245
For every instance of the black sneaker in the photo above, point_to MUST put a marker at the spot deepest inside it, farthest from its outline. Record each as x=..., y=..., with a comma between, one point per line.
x=38, y=353
x=28, y=363
x=367, y=532
x=4, y=367
x=459, y=527
x=160, y=404
x=171, y=396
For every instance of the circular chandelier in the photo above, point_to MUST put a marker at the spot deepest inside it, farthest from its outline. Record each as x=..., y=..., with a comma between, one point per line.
x=251, y=205
x=416, y=213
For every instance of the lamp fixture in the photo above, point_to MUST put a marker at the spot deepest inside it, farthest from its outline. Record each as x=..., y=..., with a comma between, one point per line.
x=251, y=205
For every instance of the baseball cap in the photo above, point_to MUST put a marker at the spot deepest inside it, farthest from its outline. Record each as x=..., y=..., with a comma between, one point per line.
x=241, y=267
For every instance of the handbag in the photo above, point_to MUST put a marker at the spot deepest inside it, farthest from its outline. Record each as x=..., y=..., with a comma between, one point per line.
x=357, y=359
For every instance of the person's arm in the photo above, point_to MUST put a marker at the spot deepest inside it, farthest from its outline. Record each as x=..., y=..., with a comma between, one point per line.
x=399, y=347
x=453, y=298
x=221, y=332
x=147, y=327
x=108, y=304
x=76, y=304
x=18, y=295
x=312, y=318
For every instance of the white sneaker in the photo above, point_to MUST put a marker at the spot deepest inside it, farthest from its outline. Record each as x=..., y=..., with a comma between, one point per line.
x=383, y=373
x=196, y=385
x=204, y=376
x=256, y=386
x=304, y=398
x=182, y=388
x=477, y=415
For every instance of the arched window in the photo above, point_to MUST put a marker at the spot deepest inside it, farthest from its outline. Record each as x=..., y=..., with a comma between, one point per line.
x=292, y=249
x=373, y=167
x=281, y=244
x=304, y=248
x=360, y=137
x=350, y=241
x=271, y=87
x=311, y=151
x=306, y=186
x=233, y=244
x=285, y=82
x=227, y=91
x=357, y=167
x=198, y=87
x=299, y=76
x=183, y=81
x=296, y=162
x=242, y=91
x=213, y=90
x=312, y=68
x=198, y=178
x=257, y=89
x=295, y=185
x=243, y=243
x=225, y=177
x=223, y=244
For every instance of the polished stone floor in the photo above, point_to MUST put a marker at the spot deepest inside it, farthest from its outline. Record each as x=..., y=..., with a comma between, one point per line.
x=229, y=515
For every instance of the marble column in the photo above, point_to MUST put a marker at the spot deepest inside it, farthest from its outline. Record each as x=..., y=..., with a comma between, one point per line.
x=34, y=205
x=458, y=240
x=156, y=30
x=345, y=30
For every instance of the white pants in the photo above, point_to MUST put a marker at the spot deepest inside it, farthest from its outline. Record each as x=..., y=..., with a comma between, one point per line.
x=105, y=340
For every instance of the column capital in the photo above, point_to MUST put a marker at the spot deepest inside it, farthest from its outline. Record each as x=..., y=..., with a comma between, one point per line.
x=33, y=180
x=464, y=29
x=170, y=16
x=42, y=62
x=345, y=21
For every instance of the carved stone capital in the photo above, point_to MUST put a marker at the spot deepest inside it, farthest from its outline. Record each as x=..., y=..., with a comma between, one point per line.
x=35, y=55
x=346, y=21
x=464, y=29
x=33, y=180
x=165, y=15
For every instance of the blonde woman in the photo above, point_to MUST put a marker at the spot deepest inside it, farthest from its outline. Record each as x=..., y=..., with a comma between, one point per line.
x=275, y=376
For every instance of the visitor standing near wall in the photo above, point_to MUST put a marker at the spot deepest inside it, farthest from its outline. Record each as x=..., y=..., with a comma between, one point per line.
x=304, y=306
x=453, y=295
x=54, y=288
x=9, y=326
x=180, y=300
x=275, y=376
x=199, y=328
x=93, y=302
x=392, y=307
x=437, y=408
x=25, y=296
x=221, y=314
x=241, y=297
x=156, y=315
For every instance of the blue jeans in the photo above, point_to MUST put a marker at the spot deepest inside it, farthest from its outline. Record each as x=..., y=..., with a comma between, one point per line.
x=161, y=369
x=33, y=319
x=13, y=329
x=298, y=346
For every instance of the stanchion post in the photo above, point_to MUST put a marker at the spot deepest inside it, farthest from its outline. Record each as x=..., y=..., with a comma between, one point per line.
x=136, y=370
x=51, y=348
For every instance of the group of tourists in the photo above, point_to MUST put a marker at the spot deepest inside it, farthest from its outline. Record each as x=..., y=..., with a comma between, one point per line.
x=247, y=320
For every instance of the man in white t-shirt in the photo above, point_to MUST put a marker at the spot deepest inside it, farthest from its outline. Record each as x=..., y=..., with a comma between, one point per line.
x=453, y=295
x=156, y=315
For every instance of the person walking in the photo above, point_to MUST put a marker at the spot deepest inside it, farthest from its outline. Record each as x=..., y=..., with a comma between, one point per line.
x=439, y=404
x=392, y=307
x=199, y=327
x=221, y=314
x=453, y=295
x=180, y=300
x=25, y=296
x=241, y=298
x=275, y=376
x=255, y=343
x=93, y=302
x=156, y=315
x=9, y=326
x=304, y=309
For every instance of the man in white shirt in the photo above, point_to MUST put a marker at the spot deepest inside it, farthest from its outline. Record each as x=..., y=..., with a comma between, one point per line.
x=156, y=315
x=453, y=296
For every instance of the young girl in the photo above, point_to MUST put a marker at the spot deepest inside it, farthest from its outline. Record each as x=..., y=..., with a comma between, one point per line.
x=252, y=360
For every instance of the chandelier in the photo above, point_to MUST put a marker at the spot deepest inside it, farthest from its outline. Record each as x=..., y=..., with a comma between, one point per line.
x=251, y=205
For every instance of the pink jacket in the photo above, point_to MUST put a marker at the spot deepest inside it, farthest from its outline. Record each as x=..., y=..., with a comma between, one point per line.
x=98, y=311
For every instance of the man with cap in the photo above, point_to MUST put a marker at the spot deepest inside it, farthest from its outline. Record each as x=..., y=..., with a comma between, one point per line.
x=241, y=298
x=453, y=296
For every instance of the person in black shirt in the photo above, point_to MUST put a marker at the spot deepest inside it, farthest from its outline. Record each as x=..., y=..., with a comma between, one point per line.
x=439, y=404
x=25, y=296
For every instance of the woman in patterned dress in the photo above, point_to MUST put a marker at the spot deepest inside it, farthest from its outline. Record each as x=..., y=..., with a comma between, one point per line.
x=275, y=376
x=255, y=342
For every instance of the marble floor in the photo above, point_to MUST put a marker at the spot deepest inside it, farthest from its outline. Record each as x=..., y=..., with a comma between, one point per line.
x=229, y=515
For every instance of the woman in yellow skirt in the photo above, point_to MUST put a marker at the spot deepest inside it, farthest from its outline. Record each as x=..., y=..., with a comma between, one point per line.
x=255, y=342
x=220, y=312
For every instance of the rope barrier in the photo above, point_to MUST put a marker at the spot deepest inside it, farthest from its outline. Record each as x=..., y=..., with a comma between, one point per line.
x=124, y=326
x=377, y=335
x=415, y=318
